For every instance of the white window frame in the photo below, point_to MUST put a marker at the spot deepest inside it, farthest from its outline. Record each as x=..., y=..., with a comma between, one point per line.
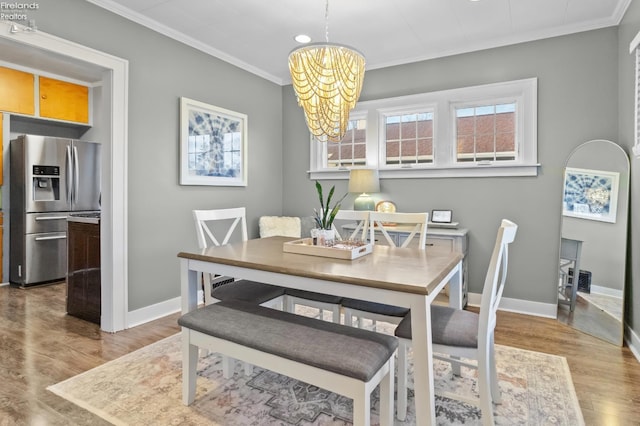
x=382, y=129
x=634, y=49
x=442, y=103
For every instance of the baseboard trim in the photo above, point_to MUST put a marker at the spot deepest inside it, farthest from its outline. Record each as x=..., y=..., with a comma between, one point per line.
x=159, y=310
x=606, y=291
x=633, y=341
x=525, y=307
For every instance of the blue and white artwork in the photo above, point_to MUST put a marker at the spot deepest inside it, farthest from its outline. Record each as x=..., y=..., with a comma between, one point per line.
x=590, y=194
x=212, y=145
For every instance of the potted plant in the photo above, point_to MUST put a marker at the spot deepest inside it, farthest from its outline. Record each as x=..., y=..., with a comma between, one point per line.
x=324, y=218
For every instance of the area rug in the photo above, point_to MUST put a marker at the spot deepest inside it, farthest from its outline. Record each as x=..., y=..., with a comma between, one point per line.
x=144, y=388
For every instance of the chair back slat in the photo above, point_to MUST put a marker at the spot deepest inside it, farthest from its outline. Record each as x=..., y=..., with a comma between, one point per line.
x=496, y=277
x=361, y=218
x=380, y=221
x=203, y=217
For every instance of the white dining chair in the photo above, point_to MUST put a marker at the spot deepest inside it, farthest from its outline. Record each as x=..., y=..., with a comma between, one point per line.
x=227, y=223
x=416, y=223
x=457, y=333
x=326, y=302
x=361, y=220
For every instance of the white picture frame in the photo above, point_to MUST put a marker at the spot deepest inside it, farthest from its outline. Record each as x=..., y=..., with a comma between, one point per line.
x=213, y=145
x=590, y=194
x=441, y=216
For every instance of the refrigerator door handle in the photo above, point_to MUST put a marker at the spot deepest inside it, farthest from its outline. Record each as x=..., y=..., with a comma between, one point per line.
x=58, y=237
x=51, y=218
x=69, y=176
x=76, y=174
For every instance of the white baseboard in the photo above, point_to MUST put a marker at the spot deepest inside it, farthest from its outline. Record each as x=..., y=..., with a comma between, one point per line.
x=3, y=284
x=605, y=291
x=633, y=341
x=546, y=310
x=154, y=312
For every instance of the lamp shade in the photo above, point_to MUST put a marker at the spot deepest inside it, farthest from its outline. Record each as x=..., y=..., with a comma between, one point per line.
x=364, y=180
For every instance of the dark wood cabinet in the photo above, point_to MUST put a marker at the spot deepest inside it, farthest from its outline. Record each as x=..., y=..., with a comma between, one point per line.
x=83, y=275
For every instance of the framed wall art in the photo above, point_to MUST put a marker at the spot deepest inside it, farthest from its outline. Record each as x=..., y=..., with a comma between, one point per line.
x=590, y=194
x=213, y=145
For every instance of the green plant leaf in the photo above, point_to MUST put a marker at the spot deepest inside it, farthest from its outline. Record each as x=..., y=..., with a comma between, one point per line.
x=324, y=218
x=319, y=191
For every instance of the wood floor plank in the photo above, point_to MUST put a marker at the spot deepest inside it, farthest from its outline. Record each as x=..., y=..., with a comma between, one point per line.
x=41, y=345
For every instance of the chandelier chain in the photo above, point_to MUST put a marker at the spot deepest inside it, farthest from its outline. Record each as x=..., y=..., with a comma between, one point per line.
x=326, y=22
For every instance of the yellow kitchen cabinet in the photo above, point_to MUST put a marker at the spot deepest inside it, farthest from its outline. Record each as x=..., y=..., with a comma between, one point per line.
x=16, y=91
x=62, y=100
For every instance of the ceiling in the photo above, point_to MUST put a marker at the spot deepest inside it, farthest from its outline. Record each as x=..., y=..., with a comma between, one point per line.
x=257, y=35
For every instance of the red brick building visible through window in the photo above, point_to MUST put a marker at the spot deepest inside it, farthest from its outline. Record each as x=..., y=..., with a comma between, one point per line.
x=486, y=136
x=483, y=133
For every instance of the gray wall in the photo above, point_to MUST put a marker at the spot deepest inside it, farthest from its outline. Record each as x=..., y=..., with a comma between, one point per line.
x=161, y=71
x=577, y=101
x=628, y=29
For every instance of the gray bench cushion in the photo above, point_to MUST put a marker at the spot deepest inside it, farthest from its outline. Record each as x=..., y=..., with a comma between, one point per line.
x=347, y=351
x=449, y=326
x=248, y=291
x=375, y=308
x=311, y=295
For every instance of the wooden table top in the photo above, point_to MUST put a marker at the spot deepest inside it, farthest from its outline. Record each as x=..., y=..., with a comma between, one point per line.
x=408, y=270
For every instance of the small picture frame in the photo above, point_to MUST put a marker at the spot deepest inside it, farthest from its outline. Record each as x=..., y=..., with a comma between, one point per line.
x=441, y=216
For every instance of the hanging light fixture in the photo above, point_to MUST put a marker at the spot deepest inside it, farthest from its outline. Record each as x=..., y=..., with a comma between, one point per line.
x=327, y=79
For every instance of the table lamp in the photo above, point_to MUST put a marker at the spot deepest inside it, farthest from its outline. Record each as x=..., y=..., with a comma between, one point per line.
x=364, y=181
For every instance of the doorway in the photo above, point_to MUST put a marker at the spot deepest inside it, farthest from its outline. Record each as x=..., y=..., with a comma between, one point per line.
x=112, y=109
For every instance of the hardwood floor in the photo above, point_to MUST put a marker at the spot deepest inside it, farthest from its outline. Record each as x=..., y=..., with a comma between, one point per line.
x=40, y=345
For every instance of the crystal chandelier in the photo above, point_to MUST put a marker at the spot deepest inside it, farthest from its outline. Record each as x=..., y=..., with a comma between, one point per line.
x=327, y=79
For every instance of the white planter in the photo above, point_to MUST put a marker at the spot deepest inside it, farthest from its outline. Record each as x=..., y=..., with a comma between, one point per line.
x=323, y=237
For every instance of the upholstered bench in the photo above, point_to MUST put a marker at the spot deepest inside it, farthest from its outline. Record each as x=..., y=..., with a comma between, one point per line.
x=345, y=360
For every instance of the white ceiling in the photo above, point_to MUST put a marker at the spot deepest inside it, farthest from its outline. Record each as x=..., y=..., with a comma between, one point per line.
x=257, y=35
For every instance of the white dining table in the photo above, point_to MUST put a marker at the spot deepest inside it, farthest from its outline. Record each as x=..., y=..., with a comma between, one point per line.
x=406, y=277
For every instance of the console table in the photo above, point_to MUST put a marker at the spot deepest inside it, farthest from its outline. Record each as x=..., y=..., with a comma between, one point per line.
x=453, y=239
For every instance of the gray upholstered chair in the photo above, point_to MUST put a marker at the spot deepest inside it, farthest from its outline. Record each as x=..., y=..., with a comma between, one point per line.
x=457, y=333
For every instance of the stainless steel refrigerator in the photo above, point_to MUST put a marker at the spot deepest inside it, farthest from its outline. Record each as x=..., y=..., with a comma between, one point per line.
x=50, y=178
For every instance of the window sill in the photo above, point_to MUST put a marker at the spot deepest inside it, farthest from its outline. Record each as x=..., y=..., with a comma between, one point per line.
x=438, y=172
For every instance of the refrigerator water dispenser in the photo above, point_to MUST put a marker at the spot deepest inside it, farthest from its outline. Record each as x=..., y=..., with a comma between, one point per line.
x=46, y=183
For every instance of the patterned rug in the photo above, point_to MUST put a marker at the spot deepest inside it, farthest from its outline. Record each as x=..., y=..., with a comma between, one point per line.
x=144, y=387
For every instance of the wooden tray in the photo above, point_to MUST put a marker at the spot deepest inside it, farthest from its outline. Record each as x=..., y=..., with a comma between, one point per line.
x=305, y=246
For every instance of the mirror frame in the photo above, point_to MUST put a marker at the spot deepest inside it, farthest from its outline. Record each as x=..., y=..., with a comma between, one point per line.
x=583, y=319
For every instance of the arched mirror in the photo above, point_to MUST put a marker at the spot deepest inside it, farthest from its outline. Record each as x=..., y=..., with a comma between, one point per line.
x=593, y=241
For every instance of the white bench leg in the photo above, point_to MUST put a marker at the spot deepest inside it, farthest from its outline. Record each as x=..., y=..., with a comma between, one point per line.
x=386, y=395
x=362, y=408
x=189, y=367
